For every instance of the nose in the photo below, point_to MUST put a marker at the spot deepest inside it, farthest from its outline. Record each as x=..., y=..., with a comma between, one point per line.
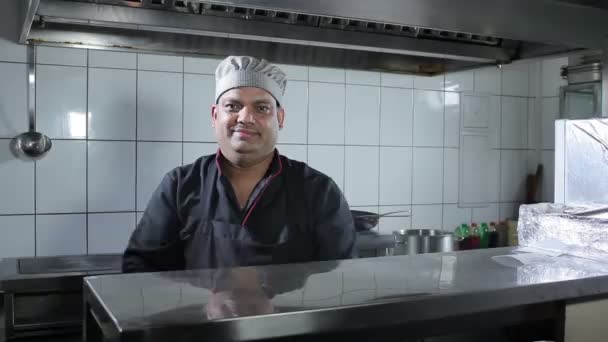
x=246, y=115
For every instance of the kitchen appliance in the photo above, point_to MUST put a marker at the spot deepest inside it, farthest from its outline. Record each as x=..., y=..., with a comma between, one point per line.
x=43, y=296
x=418, y=241
x=425, y=37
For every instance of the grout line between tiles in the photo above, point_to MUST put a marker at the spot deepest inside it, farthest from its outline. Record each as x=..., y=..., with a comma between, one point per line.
x=86, y=158
x=183, y=111
x=137, y=125
x=379, y=90
x=35, y=161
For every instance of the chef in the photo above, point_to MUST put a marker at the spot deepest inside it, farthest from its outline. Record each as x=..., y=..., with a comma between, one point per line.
x=247, y=204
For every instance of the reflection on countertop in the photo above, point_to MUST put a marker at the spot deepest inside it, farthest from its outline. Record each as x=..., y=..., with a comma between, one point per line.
x=137, y=301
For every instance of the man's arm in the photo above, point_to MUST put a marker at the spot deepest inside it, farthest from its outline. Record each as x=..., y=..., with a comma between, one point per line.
x=156, y=245
x=334, y=226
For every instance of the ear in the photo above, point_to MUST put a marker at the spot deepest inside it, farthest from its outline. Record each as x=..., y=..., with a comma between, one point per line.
x=213, y=115
x=281, y=116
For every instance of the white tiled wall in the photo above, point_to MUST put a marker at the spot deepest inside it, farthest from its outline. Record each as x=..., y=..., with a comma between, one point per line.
x=120, y=120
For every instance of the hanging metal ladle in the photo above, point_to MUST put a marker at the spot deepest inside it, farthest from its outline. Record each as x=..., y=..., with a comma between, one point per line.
x=31, y=144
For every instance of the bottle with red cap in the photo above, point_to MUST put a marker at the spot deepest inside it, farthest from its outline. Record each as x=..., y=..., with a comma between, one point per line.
x=475, y=237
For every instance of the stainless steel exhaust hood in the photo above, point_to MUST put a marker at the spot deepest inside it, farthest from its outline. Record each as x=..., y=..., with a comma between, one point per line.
x=414, y=36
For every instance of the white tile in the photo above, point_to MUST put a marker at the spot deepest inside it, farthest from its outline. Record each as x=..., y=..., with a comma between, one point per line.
x=551, y=80
x=534, y=123
x=17, y=236
x=397, y=80
x=363, y=77
x=61, y=235
x=389, y=224
x=515, y=80
x=295, y=103
x=326, y=113
x=494, y=176
x=154, y=160
x=160, y=63
x=295, y=152
x=473, y=176
x=159, y=106
x=16, y=182
x=547, y=158
x=362, y=115
x=361, y=175
x=495, y=130
x=61, y=101
x=508, y=211
x=13, y=99
x=451, y=166
x=427, y=216
x=193, y=151
x=199, y=93
x=201, y=65
x=487, y=214
x=294, y=72
x=61, y=56
x=61, y=178
x=395, y=175
x=487, y=81
x=514, y=122
x=512, y=175
x=428, y=118
x=452, y=120
x=112, y=104
x=534, y=80
x=453, y=216
x=428, y=176
x=532, y=161
x=460, y=81
x=396, y=116
x=476, y=111
x=112, y=59
x=331, y=75
x=429, y=82
x=549, y=113
x=329, y=160
x=110, y=233
x=111, y=176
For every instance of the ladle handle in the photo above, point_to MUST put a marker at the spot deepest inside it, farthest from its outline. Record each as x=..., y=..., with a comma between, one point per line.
x=31, y=86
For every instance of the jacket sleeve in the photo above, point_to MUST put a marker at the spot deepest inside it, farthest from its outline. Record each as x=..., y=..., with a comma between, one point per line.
x=155, y=245
x=334, y=226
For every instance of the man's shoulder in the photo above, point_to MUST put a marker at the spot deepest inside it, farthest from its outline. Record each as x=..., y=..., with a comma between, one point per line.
x=304, y=173
x=192, y=170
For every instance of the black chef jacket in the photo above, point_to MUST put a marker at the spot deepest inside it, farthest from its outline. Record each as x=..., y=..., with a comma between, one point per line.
x=193, y=220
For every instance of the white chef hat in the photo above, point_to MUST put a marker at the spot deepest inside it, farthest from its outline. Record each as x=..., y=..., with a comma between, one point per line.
x=245, y=71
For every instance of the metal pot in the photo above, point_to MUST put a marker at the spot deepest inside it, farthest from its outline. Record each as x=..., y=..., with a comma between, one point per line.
x=418, y=241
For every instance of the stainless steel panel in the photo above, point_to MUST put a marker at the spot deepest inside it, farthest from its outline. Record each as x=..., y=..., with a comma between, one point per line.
x=309, y=297
x=27, y=11
x=547, y=21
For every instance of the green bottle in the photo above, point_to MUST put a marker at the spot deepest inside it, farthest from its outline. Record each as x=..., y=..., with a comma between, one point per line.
x=462, y=234
x=484, y=235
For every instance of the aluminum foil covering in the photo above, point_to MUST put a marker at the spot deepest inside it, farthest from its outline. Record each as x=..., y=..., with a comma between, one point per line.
x=580, y=231
x=586, y=162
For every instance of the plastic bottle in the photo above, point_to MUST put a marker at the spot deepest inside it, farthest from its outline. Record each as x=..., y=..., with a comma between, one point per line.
x=463, y=233
x=484, y=235
x=492, y=236
x=475, y=239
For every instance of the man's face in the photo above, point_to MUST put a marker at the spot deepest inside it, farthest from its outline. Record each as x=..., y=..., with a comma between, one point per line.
x=247, y=121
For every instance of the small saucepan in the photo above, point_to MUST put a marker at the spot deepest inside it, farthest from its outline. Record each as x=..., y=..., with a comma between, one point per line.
x=365, y=220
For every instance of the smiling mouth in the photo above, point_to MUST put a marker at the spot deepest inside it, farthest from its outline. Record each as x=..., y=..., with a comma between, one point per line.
x=244, y=132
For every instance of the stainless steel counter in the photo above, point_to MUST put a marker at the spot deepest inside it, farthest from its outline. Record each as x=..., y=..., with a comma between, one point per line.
x=287, y=300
